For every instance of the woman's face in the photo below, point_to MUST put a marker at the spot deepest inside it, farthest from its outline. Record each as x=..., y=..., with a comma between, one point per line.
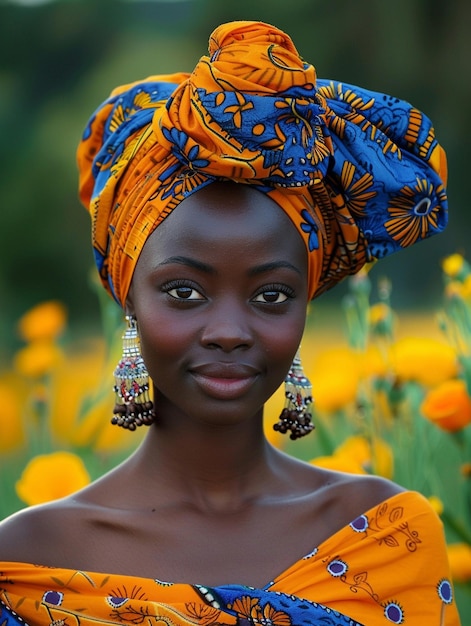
x=220, y=296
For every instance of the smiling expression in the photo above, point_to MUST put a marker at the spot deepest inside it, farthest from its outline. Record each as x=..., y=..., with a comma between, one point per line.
x=220, y=296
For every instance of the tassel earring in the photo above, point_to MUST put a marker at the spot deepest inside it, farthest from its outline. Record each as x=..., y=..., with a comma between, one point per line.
x=296, y=415
x=133, y=404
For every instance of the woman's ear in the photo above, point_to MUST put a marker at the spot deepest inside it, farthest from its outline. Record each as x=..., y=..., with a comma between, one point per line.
x=129, y=306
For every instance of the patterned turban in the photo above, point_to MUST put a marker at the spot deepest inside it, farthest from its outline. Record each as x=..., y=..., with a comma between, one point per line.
x=359, y=173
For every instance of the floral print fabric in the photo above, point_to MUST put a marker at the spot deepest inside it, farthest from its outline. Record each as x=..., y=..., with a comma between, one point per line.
x=359, y=173
x=388, y=566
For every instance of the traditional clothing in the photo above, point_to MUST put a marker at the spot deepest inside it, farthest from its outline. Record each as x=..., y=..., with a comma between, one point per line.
x=359, y=173
x=386, y=567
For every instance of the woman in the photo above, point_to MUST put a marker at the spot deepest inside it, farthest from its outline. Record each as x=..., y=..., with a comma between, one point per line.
x=221, y=203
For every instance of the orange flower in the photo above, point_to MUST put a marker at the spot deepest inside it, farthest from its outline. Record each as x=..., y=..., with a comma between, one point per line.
x=44, y=321
x=448, y=405
x=50, y=476
x=465, y=470
x=459, y=556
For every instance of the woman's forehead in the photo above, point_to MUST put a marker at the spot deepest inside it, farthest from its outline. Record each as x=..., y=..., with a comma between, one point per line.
x=225, y=209
x=227, y=216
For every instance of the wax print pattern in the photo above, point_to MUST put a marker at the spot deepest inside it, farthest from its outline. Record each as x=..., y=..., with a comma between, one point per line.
x=359, y=173
x=386, y=567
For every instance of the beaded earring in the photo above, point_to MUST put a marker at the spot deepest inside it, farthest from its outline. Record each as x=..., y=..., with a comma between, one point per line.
x=133, y=406
x=296, y=415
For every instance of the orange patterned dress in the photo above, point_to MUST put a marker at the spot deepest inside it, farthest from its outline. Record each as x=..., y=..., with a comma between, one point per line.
x=388, y=566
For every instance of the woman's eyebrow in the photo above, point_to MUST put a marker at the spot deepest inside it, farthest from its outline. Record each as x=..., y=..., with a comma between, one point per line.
x=274, y=265
x=208, y=269
x=188, y=261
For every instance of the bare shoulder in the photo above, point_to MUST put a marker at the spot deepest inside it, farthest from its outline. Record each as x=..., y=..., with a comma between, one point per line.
x=366, y=491
x=354, y=494
x=337, y=497
x=348, y=496
x=26, y=535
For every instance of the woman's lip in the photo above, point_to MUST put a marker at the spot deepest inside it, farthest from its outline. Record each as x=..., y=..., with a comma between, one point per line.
x=222, y=369
x=224, y=388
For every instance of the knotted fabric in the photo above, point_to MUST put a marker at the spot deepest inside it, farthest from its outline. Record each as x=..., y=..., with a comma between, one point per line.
x=359, y=173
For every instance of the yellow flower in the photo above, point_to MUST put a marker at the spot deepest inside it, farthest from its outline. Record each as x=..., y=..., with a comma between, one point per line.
x=76, y=416
x=382, y=458
x=12, y=392
x=339, y=463
x=335, y=375
x=372, y=362
x=424, y=360
x=51, y=476
x=95, y=429
x=356, y=456
x=271, y=414
x=459, y=557
x=466, y=287
x=357, y=448
x=436, y=504
x=376, y=456
x=452, y=265
x=113, y=439
x=70, y=386
x=44, y=321
x=381, y=320
x=448, y=405
x=37, y=358
x=454, y=290
x=379, y=312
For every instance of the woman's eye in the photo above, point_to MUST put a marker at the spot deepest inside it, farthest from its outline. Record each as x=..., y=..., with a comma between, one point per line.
x=185, y=293
x=271, y=297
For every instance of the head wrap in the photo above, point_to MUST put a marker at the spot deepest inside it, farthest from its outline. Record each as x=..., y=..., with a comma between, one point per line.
x=359, y=173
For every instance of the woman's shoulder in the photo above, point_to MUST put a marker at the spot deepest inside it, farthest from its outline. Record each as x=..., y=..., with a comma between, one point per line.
x=356, y=494
x=25, y=534
x=357, y=491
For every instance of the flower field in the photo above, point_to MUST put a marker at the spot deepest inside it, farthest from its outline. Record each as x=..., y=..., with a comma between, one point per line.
x=392, y=397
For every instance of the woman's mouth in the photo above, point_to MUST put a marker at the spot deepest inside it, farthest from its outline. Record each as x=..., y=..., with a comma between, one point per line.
x=224, y=382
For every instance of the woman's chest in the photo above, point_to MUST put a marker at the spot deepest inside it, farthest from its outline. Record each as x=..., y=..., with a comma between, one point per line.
x=248, y=547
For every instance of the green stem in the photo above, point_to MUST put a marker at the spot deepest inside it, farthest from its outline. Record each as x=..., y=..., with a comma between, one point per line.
x=457, y=526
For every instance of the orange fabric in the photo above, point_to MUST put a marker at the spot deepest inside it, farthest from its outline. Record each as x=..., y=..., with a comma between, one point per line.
x=389, y=566
x=360, y=174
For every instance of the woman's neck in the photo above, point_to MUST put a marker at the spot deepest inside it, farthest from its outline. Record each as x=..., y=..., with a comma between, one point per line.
x=214, y=468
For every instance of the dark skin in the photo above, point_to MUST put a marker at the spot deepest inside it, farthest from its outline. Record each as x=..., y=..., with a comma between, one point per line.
x=220, y=296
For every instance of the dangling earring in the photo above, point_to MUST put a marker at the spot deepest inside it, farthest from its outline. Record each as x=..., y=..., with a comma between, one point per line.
x=133, y=404
x=296, y=415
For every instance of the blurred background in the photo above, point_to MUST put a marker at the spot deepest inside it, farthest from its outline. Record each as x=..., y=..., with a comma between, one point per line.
x=59, y=59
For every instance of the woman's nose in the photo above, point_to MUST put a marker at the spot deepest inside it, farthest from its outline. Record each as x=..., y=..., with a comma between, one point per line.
x=227, y=327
